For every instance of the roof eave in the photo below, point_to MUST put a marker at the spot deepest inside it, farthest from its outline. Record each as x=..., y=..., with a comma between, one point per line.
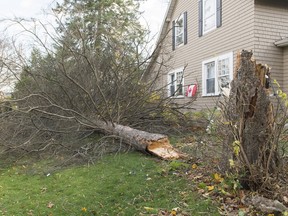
x=166, y=20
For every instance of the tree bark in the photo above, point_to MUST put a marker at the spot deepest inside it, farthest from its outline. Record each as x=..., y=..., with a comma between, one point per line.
x=156, y=144
x=250, y=111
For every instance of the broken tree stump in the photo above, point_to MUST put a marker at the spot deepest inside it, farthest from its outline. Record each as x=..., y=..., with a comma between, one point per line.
x=153, y=143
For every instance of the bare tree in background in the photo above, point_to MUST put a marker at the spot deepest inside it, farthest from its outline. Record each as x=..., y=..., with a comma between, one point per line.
x=8, y=67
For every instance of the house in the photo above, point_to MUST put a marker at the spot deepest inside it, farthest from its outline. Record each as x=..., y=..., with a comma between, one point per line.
x=204, y=36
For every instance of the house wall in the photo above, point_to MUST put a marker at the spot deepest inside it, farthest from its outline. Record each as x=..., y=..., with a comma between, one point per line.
x=271, y=24
x=235, y=34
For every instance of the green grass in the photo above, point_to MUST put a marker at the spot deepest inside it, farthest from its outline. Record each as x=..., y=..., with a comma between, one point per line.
x=116, y=185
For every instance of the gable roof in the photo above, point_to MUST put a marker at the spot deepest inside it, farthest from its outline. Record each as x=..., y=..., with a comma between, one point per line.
x=166, y=20
x=163, y=33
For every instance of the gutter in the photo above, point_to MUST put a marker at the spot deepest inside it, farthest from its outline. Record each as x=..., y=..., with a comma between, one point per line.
x=281, y=43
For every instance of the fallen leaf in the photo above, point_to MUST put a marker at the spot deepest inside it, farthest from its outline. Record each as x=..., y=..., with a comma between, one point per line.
x=231, y=163
x=218, y=178
x=206, y=195
x=43, y=190
x=194, y=166
x=185, y=204
x=148, y=208
x=162, y=212
x=201, y=191
x=197, y=177
x=176, y=209
x=30, y=213
x=210, y=188
x=50, y=205
x=173, y=213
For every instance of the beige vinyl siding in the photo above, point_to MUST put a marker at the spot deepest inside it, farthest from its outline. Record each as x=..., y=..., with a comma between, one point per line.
x=235, y=34
x=271, y=24
x=285, y=60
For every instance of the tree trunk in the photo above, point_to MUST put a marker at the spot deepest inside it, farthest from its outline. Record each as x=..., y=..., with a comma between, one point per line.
x=157, y=144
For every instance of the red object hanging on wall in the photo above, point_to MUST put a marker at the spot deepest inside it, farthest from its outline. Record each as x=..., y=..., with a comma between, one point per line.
x=191, y=90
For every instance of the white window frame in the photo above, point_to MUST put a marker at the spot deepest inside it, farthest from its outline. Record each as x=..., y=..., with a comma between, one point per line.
x=217, y=76
x=177, y=27
x=205, y=18
x=169, y=81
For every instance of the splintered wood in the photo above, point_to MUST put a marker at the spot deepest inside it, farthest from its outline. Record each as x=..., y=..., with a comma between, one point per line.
x=162, y=149
x=156, y=144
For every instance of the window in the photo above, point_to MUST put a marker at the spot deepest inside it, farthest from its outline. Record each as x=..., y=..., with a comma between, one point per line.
x=210, y=15
x=176, y=83
x=210, y=77
x=216, y=74
x=179, y=31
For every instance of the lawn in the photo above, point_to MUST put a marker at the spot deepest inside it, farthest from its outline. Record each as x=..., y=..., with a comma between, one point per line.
x=124, y=184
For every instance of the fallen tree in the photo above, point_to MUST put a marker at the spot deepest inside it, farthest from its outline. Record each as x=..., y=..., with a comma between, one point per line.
x=92, y=79
x=157, y=144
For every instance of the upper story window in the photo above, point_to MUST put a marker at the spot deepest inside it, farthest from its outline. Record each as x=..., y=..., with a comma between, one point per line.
x=179, y=31
x=210, y=15
x=216, y=74
x=176, y=83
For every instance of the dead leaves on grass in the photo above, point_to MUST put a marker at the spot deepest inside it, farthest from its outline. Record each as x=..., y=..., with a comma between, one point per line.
x=226, y=191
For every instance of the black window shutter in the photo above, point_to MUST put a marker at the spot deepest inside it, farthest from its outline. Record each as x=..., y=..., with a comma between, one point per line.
x=185, y=27
x=173, y=35
x=200, y=17
x=219, y=13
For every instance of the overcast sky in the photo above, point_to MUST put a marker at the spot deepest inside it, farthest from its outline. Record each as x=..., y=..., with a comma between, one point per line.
x=154, y=10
